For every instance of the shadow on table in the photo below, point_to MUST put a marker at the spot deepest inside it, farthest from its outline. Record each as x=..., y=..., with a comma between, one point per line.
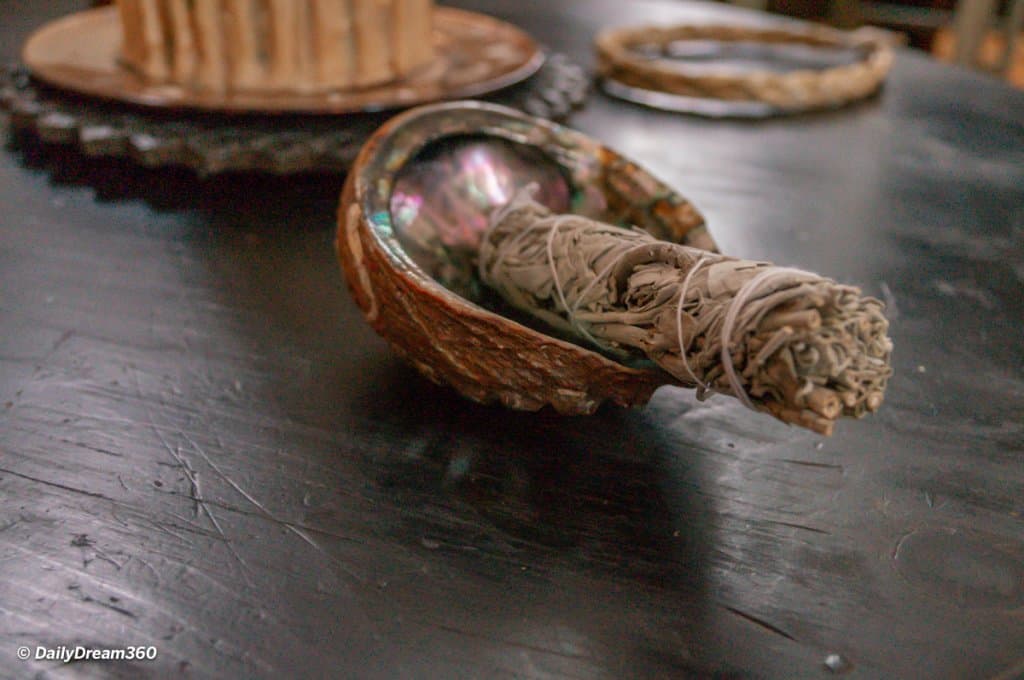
x=587, y=492
x=167, y=189
x=599, y=524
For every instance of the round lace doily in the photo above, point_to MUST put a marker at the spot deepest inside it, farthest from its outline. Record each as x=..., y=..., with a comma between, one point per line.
x=214, y=143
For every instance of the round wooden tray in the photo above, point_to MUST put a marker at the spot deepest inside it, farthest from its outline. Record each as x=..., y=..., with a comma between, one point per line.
x=476, y=55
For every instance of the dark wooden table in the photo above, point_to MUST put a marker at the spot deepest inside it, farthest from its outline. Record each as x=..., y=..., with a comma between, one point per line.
x=205, y=449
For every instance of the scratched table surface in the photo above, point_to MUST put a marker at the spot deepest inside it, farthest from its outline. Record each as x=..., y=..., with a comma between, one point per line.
x=204, y=448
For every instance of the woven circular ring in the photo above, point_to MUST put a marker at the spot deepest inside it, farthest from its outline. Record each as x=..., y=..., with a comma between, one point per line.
x=621, y=60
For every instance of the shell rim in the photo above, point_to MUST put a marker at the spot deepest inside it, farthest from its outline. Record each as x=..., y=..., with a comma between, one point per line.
x=382, y=157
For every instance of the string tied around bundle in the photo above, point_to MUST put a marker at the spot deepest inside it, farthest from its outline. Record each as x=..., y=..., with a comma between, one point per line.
x=797, y=345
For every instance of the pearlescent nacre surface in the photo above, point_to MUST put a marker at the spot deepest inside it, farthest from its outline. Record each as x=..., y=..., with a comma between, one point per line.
x=442, y=200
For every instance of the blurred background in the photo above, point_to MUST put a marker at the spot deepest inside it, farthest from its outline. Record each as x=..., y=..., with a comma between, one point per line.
x=981, y=34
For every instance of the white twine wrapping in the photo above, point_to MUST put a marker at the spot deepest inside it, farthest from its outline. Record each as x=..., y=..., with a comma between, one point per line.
x=809, y=349
x=750, y=290
x=702, y=386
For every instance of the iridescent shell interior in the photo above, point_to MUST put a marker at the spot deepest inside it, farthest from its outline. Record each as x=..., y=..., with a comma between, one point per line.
x=442, y=200
x=457, y=164
x=415, y=205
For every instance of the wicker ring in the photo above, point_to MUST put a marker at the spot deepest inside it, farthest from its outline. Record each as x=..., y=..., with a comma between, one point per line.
x=799, y=90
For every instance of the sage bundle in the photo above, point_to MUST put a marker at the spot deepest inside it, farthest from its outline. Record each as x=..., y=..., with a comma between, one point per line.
x=791, y=343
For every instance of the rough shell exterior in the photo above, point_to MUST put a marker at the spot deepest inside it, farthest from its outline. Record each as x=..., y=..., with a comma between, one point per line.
x=452, y=341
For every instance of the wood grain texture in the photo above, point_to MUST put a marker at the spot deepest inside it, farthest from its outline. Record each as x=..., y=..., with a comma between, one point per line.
x=204, y=447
